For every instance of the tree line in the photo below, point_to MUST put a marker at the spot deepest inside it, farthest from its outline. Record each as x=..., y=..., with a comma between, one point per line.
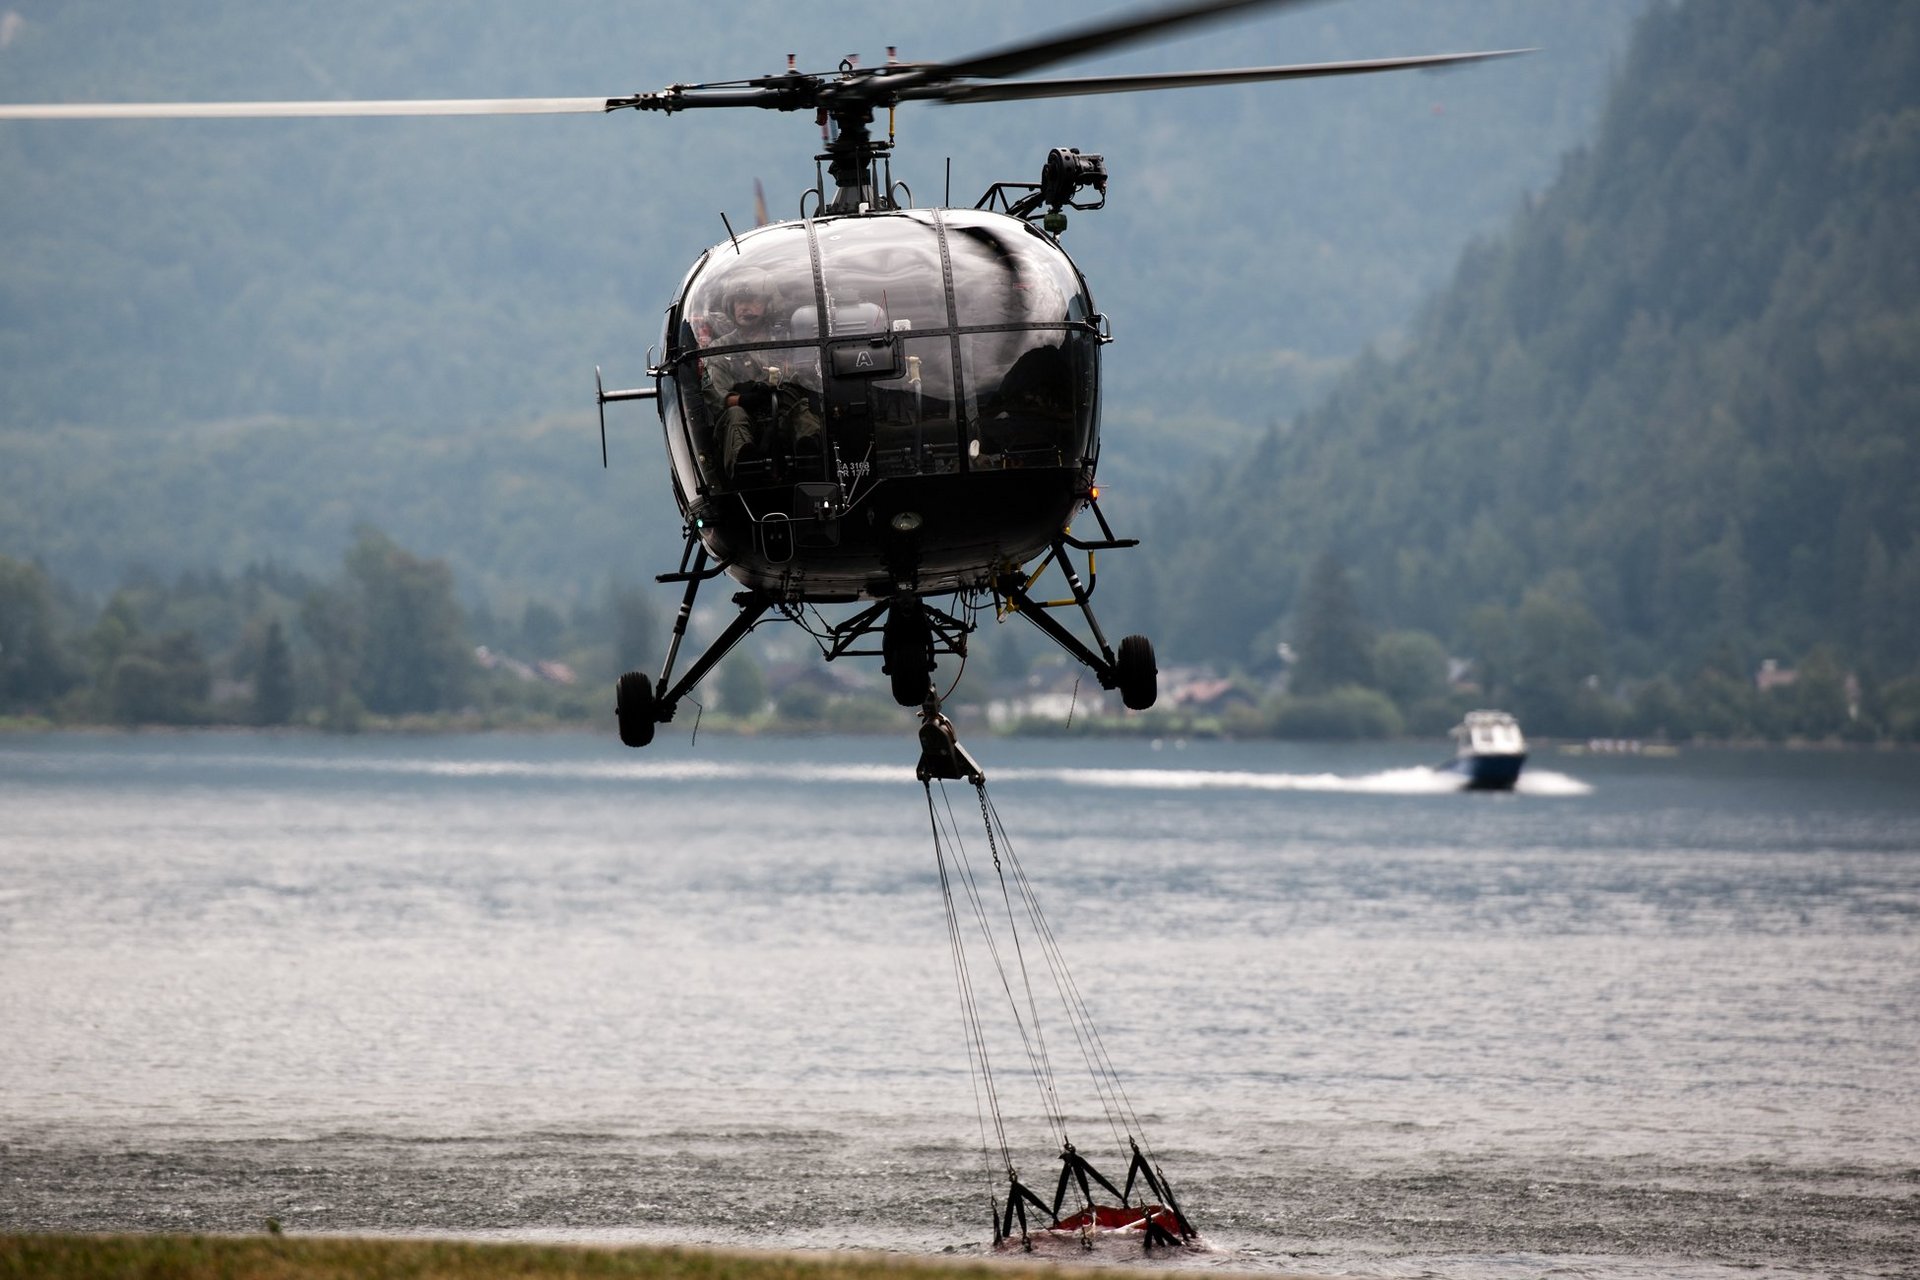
x=385, y=640
x=385, y=637
x=1547, y=660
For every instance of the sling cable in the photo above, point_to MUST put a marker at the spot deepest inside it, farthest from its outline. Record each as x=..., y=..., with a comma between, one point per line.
x=1075, y=1212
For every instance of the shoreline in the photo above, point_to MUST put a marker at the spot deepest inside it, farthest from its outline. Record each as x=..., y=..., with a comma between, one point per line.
x=69, y=1256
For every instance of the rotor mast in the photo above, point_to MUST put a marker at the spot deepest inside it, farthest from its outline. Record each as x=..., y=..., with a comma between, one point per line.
x=853, y=157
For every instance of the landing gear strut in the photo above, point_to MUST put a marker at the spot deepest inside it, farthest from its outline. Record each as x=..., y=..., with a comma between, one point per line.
x=640, y=704
x=1133, y=670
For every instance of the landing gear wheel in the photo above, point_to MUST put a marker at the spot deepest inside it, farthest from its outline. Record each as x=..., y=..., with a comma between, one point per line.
x=633, y=705
x=1139, y=677
x=906, y=650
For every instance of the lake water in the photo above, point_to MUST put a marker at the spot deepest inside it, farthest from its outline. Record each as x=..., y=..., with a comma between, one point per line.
x=1648, y=1017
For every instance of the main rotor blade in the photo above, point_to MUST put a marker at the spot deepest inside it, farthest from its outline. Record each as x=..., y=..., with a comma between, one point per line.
x=1020, y=58
x=270, y=110
x=1016, y=90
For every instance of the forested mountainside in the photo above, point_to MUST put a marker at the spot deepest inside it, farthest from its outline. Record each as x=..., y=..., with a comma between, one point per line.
x=185, y=306
x=1668, y=422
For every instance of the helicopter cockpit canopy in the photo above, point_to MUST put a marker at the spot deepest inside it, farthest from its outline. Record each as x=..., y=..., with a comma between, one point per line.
x=883, y=345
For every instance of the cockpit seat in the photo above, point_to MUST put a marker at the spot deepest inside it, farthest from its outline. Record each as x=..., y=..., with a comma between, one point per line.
x=847, y=318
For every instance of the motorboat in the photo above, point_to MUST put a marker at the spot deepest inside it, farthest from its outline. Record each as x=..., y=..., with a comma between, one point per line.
x=1489, y=750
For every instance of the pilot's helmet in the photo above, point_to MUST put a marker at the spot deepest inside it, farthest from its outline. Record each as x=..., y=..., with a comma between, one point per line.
x=750, y=284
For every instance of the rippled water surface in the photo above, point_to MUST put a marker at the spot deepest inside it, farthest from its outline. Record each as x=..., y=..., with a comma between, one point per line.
x=1648, y=1017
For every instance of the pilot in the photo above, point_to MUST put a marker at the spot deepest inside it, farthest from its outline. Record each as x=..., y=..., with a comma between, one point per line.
x=756, y=404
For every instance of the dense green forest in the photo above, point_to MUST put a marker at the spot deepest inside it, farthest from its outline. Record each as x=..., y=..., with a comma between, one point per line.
x=1661, y=430
x=226, y=342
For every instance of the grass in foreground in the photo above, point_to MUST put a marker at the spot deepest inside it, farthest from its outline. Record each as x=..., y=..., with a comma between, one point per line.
x=273, y=1257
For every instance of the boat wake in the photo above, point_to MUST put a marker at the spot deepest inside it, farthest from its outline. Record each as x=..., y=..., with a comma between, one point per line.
x=1545, y=782
x=1417, y=780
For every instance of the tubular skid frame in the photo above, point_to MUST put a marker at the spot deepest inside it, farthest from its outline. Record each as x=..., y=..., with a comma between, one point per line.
x=1013, y=590
x=753, y=606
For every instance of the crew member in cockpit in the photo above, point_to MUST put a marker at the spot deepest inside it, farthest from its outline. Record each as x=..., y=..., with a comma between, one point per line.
x=757, y=406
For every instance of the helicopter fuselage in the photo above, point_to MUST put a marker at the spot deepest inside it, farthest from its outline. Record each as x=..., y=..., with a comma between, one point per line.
x=881, y=404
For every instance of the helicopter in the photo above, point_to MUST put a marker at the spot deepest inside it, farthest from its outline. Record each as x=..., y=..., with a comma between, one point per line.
x=876, y=405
